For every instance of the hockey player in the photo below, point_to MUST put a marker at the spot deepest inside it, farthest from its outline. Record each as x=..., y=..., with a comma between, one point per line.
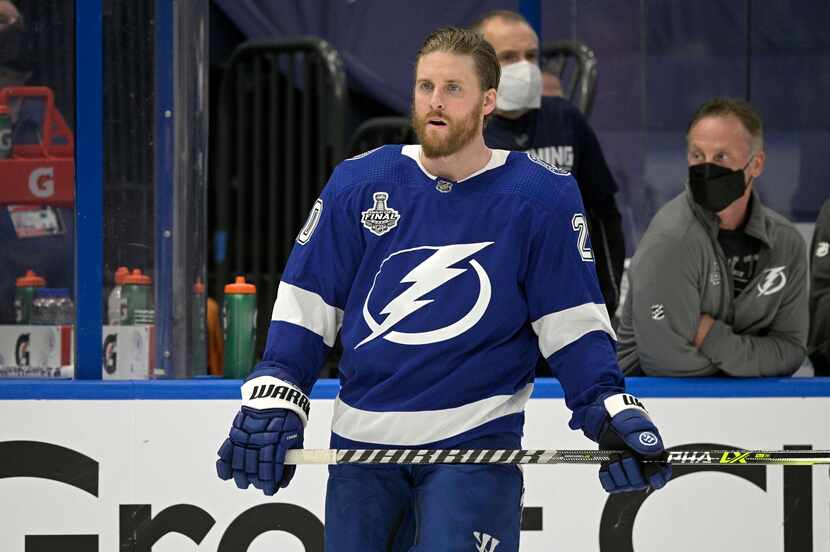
x=445, y=267
x=556, y=131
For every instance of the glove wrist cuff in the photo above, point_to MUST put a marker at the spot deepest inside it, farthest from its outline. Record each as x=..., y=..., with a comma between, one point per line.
x=267, y=392
x=623, y=401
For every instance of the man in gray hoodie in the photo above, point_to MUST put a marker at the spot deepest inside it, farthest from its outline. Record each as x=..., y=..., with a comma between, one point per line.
x=819, y=344
x=718, y=285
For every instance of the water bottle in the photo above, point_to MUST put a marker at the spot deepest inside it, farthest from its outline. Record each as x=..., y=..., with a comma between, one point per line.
x=137, y=299
x=43, y=307
x=199, y=336
x=52, y=307
x=5, y=133
x=114, y=298
x=24, y=295
x=64, y=308
x=239, y=323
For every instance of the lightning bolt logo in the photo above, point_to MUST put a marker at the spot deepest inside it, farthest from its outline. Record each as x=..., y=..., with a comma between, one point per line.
x=774, y=279
x=432, y=273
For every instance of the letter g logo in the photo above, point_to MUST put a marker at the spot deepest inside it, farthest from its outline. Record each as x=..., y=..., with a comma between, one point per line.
x=5, y=139
x=41, y=181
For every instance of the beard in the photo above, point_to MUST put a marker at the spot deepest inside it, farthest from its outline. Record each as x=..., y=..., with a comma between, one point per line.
x=461, y=132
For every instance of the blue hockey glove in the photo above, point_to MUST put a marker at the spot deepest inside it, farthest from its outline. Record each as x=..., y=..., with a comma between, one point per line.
x=270, y=422
x=621, y=422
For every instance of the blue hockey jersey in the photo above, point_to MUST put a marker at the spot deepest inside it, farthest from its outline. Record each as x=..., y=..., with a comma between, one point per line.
x=443, y=293
x=558, y=133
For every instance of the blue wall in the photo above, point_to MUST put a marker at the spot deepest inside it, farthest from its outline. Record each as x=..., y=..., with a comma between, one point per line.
x=545, y=388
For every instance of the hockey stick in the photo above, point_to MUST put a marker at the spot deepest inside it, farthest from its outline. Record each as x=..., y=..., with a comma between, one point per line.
x=733, y=457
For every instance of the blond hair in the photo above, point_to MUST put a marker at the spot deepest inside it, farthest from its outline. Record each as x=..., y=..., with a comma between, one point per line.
x=466, y=42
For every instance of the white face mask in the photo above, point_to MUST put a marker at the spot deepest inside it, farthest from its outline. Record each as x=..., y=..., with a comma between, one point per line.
x=520, y=87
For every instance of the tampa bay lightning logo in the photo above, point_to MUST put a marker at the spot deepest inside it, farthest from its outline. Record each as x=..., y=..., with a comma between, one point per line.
x=428, y=275
x=773, y=280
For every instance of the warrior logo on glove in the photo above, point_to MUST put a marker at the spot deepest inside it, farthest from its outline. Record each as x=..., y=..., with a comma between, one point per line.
x=621, y=422
x=283, y=392
x=269, y=392
x=271, y=421
x=648, y=439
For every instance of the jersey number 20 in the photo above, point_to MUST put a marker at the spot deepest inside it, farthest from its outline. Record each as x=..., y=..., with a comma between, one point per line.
x=580, y=225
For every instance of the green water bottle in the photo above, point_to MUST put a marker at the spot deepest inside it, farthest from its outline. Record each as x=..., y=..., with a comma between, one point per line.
x=5, y=133
x=24, y=295
x=239, y=324
x=137, y=299
x=199, y=335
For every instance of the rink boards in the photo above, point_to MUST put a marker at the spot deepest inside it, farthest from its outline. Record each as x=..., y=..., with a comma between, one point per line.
x=129, y=465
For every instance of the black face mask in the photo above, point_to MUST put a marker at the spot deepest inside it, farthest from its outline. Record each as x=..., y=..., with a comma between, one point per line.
x=714, y=187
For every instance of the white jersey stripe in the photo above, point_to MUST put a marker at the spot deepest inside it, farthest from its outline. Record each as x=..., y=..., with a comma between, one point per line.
x=424, y=426
x=308, y=310
x=498, y=157
x=558, y=329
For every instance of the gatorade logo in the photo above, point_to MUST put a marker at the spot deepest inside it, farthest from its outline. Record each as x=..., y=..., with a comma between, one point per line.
x=111, y=353
x=41, y=182
x=21, y=350
x=6, y=139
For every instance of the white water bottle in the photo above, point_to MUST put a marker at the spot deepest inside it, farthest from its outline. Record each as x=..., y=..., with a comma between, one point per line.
x=114, y=299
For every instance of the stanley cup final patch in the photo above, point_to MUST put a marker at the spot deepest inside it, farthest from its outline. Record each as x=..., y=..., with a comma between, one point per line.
x=380, y=219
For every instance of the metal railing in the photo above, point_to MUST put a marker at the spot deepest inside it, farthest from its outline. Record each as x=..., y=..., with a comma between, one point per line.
x=576, y=66
x=279, y=134
x=379, y=131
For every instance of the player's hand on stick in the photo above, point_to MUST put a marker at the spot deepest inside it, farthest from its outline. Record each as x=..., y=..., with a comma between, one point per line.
x=254, y=452
x=620, y=422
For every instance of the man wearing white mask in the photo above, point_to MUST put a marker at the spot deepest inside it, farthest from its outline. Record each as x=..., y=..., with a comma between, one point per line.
x=555, y=131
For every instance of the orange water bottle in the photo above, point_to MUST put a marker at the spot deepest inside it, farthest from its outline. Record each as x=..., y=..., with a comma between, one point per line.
x=24, y=295
x=199, y=336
